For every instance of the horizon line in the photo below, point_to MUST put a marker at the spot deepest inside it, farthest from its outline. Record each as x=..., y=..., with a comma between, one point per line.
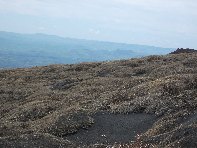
x=65, y=37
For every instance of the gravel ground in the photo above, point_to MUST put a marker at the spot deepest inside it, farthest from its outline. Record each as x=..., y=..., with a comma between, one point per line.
x=113, y=128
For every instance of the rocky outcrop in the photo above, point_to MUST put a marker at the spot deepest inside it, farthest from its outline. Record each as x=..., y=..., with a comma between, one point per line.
x=182, y=50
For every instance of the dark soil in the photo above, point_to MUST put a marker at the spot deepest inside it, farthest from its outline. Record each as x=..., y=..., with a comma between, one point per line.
x=113, y=128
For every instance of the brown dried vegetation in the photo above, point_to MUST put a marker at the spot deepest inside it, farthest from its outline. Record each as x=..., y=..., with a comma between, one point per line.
x=52, y=101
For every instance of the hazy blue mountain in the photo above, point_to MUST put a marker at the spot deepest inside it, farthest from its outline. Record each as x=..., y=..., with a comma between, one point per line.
x=25, y=50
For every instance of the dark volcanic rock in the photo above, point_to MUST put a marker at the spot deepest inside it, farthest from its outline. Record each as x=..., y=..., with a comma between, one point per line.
x=182, y=50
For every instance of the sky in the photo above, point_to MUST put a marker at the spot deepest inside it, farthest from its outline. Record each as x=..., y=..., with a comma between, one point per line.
x=164, y=23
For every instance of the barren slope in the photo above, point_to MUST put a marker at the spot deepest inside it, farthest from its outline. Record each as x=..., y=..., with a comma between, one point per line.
x=40, y=105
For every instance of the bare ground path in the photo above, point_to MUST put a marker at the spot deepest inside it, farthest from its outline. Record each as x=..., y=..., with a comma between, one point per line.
x=110, y=128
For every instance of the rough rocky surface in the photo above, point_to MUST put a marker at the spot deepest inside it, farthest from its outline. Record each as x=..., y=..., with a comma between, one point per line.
x=40, y=105
x=182, y=50
x=34, y=141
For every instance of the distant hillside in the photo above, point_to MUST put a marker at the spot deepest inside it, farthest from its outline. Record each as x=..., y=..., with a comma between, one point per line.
x=26, y=50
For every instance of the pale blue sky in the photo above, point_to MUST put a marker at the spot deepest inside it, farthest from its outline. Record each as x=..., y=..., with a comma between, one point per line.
x=166, y=23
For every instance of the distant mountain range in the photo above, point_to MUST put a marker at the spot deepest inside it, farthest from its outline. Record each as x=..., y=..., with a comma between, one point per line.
x=27, y=50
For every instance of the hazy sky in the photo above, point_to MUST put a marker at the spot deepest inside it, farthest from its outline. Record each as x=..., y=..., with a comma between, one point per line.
x=166, y=23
